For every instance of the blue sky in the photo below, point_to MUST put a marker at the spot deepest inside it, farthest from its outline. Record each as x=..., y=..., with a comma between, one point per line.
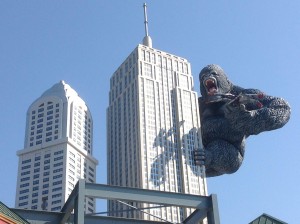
x=82, y=42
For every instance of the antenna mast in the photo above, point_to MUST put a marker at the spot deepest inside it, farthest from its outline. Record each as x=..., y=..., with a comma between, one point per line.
x=147, y=39
x=146, y=19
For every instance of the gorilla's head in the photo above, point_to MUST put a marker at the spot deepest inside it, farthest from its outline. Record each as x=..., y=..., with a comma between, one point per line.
x=213, y=80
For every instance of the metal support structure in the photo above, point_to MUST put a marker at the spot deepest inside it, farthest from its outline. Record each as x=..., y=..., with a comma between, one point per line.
x=213, y=212
x=206, y=206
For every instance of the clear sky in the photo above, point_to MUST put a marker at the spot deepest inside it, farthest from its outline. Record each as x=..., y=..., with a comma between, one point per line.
x=83, y=42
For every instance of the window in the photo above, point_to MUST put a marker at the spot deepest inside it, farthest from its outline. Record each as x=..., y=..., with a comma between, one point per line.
x=92, y=175
x=24, y=191
x=23, y=197
x=26, y=161
x=24, y=185
x=58, y=158
x=48, y=139
x=57, y=176
x=35, y=188
x=46, y=167
x=71, y=178
x=49, y=118
x=35, y=182
x=25, y=173
x=23, y=203
x=57, y=182
x=58, y=152
x=56, y=202
x=56, y=195
x=25, y=178
x=56, y=189
x=57, y=170
x=58, y=164
x=56, y=208
x=91, y=168
x=26, y=167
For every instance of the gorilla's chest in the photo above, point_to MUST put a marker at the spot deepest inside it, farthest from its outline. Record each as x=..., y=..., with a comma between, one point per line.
x=216, y=126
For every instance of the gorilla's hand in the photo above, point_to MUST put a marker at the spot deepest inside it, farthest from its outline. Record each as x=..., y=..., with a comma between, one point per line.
x=202, y=157
x=237, y=115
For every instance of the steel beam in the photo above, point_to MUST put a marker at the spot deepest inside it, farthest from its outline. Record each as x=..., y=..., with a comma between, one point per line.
x=213, y=211
x=69, y=204
x=147, y=196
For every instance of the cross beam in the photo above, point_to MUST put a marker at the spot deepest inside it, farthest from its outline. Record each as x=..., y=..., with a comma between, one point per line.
x=206, y=206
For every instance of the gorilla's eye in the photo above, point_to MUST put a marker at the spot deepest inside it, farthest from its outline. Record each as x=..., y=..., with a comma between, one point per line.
x=214, y=74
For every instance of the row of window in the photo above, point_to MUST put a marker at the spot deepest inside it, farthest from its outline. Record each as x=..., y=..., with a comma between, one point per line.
x=37, y=122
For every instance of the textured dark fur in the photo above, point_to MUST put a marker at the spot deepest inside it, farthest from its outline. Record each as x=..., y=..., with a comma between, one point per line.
x=226, y=123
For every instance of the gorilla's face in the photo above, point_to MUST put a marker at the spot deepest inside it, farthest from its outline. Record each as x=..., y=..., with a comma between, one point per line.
x=213, y=81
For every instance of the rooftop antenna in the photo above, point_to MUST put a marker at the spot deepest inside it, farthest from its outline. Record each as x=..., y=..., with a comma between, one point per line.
x=147, y=39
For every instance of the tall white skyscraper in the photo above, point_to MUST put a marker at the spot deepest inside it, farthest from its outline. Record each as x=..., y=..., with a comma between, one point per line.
x=58, y=150
x=152, y=130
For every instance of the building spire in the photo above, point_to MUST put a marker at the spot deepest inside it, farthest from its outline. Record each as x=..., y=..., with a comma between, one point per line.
x=145, y=20
x=147, y=39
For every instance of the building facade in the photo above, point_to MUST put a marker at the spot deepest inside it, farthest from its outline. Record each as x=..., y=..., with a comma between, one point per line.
x=58, y=150
x=152, y=130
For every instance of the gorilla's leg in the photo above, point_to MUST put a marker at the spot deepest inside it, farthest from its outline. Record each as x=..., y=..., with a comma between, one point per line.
x=221, y=157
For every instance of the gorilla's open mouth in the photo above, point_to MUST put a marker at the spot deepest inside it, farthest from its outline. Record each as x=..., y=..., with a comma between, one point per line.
x=211, y=86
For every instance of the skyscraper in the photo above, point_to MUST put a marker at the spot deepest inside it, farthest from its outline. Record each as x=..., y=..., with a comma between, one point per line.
x=58, y=150
x=152, y=129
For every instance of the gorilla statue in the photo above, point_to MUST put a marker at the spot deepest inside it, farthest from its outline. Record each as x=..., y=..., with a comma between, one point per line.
x=229, y=114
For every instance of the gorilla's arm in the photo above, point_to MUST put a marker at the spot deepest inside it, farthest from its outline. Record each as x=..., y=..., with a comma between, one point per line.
x=251, y=119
